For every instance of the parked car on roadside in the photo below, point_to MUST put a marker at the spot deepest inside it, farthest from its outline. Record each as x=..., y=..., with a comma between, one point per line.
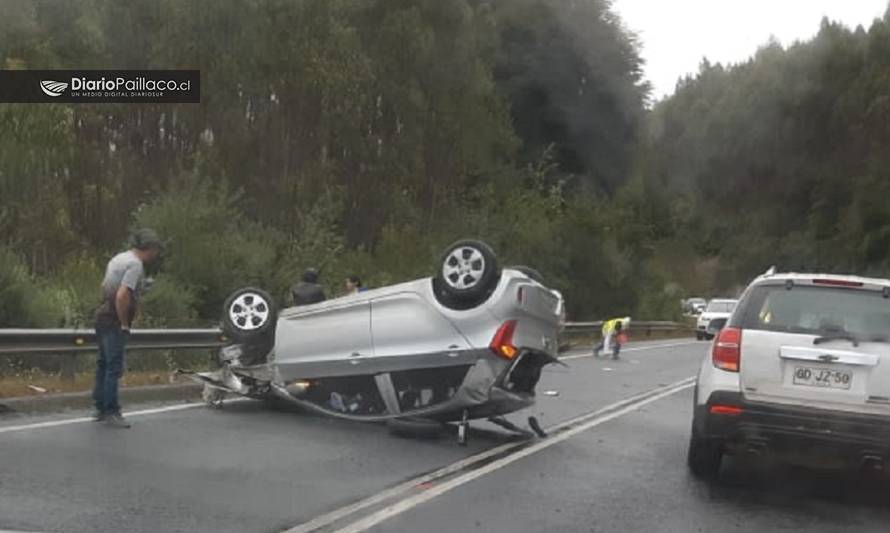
x=800, y=370
x=717, y=308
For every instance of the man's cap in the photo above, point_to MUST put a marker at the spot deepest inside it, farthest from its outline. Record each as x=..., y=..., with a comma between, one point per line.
x=146, y=238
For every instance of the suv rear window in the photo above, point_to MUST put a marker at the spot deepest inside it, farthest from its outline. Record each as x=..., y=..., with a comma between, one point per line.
x=817, y=310
x=720, y=307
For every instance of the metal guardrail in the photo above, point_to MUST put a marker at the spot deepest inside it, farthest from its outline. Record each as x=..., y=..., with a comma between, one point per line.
x=57, y=341
x=636, y=326
x=62, y=341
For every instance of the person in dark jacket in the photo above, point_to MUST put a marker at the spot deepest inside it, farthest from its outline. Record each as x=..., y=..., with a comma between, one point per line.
x=308, y=291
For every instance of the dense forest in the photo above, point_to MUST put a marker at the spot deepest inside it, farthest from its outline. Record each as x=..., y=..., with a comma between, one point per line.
x=362, y=136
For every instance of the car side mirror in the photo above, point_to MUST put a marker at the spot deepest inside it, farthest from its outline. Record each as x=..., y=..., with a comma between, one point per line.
x=715, y=325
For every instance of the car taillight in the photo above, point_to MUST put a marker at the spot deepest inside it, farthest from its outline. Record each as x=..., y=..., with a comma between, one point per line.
x=730, y=410
x=727, y=351
x=502, y=342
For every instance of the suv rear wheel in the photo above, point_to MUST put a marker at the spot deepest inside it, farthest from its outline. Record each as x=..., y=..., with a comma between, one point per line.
x=704, y=457
x=466, y=275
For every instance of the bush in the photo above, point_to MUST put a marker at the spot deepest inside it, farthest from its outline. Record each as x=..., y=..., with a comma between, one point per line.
x=213, y=248
x=22, y=302
x=315, y=242
x=75, y=291
x=169, y=304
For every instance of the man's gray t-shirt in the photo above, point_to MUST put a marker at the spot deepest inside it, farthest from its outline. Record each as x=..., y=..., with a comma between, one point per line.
x=124, y=269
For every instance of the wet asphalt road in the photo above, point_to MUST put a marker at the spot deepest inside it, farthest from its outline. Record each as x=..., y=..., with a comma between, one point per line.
x=247, y=468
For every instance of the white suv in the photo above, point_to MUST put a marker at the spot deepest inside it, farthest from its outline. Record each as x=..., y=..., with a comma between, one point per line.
x=717, y=308
x=801, y=370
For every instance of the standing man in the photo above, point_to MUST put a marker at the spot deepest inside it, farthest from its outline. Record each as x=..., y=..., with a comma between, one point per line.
x=121, y=289
x=308, y=291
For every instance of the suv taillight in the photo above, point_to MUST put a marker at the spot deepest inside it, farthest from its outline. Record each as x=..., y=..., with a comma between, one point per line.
x=727, y=351
x=502, y=343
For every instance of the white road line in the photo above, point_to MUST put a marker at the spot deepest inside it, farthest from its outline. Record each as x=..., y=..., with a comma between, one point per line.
x=341, y=513
x=637, y=349
x=437, y=490
x=83, y=419
x=338, y=514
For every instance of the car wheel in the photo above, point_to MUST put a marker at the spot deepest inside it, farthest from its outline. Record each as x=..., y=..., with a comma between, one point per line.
x=466, y=275
x=698, y=336
x=418, y=428
x=530, y=272
x=704, y=457
x=249, y=316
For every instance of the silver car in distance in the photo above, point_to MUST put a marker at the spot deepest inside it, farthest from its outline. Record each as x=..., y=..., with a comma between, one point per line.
x=468, y=343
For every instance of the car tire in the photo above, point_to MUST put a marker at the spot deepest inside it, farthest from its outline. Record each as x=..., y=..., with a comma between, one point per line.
x=249, y=317
x=466, y=275
x=699, y=336
x=530, y=272
x=704, y=457
x=416, y=428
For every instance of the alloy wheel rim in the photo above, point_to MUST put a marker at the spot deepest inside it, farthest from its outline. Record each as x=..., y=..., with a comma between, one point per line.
x=249, y=311
x=463, y=268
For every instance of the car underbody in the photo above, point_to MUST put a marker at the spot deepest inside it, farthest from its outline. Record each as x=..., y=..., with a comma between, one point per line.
x=486, y=388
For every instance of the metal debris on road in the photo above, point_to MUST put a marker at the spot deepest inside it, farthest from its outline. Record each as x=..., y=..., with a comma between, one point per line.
x=551, y=393
x=536, y=427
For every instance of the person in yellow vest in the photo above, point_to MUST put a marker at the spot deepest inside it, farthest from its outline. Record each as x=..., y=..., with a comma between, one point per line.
x=614, y=334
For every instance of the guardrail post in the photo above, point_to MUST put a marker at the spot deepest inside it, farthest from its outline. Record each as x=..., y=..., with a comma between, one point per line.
x=67, y=365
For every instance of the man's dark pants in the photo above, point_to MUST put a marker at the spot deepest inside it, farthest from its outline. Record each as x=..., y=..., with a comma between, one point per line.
x=112, y=343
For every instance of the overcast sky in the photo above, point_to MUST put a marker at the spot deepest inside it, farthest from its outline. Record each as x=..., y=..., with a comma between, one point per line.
x=677, y=34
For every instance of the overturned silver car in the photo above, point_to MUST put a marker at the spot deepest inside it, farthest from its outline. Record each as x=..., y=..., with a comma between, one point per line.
x=468, y=343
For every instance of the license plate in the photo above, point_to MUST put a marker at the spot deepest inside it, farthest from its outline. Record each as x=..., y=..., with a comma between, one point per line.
x=822, y=377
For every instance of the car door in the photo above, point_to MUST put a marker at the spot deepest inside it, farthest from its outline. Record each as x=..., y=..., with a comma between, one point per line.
x=324, y=340
x=409, y=333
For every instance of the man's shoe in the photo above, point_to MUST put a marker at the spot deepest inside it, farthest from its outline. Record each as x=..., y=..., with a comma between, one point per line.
x=98, y=416
x=116, y=420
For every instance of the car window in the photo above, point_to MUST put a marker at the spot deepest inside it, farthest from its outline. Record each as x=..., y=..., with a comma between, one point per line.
x=818, y=310
x=720, y=307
